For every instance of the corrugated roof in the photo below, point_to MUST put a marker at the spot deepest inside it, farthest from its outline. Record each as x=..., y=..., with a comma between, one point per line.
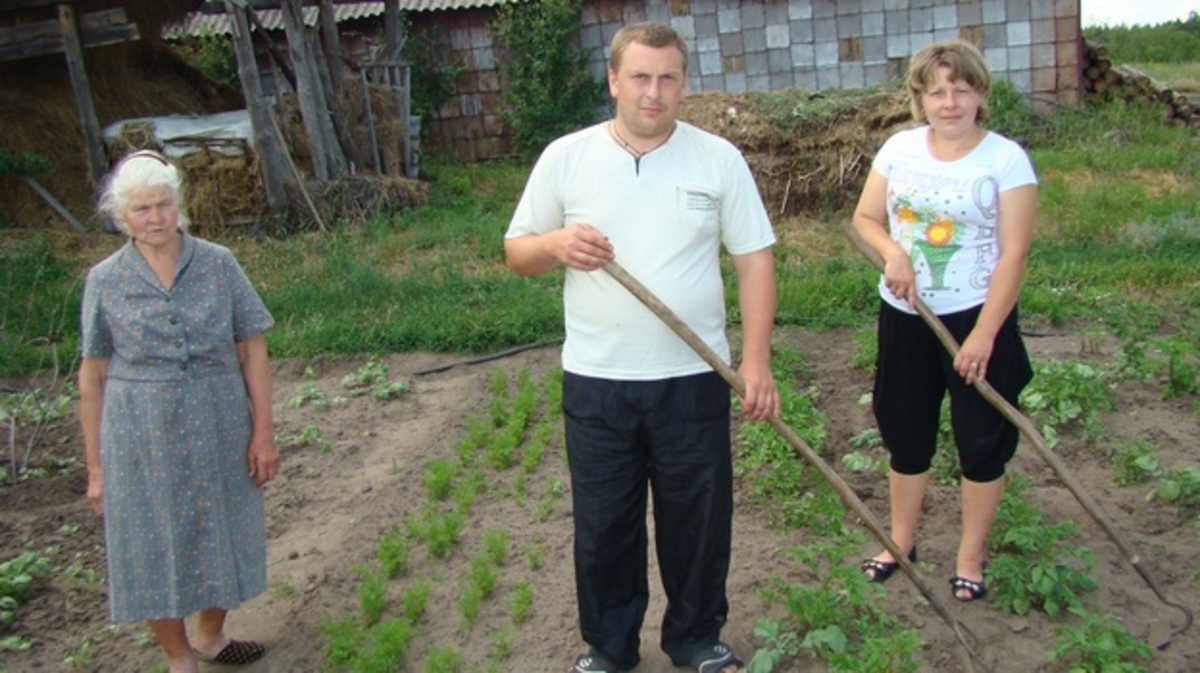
x=198, y=23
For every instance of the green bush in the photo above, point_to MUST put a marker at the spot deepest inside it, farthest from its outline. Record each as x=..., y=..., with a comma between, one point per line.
x=547, y=91
x=433, y=73
x=212, y=55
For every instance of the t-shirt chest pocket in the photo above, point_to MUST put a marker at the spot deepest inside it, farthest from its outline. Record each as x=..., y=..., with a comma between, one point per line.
x=698, y=208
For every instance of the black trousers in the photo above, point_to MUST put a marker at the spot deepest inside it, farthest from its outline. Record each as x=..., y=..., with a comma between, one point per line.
x=673, y=436
x=913, y=372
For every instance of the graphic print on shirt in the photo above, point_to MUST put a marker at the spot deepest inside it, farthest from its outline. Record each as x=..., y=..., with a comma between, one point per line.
x=935, y=236
x=948, y=225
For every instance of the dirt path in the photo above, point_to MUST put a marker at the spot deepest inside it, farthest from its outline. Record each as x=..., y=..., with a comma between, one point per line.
x=329, y=509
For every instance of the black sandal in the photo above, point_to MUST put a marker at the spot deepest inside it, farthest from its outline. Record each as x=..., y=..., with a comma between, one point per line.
x=976, y=590
x=879, y=571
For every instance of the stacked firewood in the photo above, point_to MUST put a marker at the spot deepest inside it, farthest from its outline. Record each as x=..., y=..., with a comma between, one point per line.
x=1104, y=81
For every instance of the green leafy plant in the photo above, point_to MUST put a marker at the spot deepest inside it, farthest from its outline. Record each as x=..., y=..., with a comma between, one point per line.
x=769, y=463
x=443, y=660
x=865, y=348
x=501, y=645
x=310, y=435
x=391, y=551
x=835, y=610
x=438, y=530
x=414, y=600
x=434, y=71
x=309, y=393
x=1068, y=391
x=520, y=602
x=495, y=546
x=439, y=477
x=548, y=91
x=16, y=580
x=213, y=55
x=24, y=164
x=1180, y=486
x=372, y=594
x=1032, y=567
x=480, y=582
x=372, y=378
x=380, y=648
x=35, y=410
x=533, y=554
x=1134, y=463
x=1098, y=644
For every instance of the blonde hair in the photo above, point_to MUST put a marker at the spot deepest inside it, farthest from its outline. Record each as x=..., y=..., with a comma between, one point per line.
x=138, y=171
x=650, y=34
x=966, y=64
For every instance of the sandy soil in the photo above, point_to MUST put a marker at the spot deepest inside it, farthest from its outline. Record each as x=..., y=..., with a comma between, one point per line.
x=328, y=510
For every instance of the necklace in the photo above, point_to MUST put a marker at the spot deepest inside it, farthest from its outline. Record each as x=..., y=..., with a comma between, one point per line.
x=637, y=154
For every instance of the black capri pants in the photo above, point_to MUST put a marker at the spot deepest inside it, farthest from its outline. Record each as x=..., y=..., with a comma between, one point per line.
x=913, y=371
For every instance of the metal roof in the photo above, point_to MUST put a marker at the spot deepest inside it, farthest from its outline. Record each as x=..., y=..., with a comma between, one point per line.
x=199, y=23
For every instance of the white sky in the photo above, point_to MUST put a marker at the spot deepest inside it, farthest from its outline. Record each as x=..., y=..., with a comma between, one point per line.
x=1136, y=12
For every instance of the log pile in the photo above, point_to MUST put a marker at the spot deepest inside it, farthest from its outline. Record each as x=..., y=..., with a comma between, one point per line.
x=1103, y=81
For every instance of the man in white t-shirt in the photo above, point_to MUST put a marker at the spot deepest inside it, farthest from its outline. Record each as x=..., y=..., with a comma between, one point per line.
x=661, y=197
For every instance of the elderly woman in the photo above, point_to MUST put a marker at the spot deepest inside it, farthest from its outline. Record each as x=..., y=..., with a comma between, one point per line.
x=950, y=206
x=175, y=404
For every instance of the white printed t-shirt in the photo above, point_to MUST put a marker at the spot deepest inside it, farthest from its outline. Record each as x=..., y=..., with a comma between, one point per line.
x=944, y=214
x=666, y=215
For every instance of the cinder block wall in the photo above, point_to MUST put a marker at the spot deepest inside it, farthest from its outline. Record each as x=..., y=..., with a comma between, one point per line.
x=741, y=46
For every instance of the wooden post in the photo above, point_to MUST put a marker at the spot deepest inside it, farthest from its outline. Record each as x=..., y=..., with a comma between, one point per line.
x=332, y=42
x=377, y=162
x=97, y=163
x=330, y=71
x=270, y=160
x=393, y=40
x=327, y=160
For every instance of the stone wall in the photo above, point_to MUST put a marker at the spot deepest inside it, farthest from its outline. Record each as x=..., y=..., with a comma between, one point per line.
x=741, y=46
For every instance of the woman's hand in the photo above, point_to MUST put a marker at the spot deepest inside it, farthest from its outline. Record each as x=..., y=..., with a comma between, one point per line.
x=899, y=277
x=263, y=458
x=95, y=491
x=972, y=359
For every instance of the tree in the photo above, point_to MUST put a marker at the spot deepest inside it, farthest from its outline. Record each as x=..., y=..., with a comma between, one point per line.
x=547, y=90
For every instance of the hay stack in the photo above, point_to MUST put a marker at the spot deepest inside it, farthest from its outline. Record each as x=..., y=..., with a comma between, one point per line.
x=809, y=151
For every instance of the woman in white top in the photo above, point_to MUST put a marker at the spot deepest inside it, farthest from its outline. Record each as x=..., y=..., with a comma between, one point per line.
x=950, y=208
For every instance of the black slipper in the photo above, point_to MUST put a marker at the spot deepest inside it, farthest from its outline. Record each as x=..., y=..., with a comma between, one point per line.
x=592, y=663
x=975, y=589
x=236, y=653
x=879, y=571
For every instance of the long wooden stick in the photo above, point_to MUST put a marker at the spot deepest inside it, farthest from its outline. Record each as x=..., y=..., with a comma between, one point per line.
x=731, y=377
x=1035, y=438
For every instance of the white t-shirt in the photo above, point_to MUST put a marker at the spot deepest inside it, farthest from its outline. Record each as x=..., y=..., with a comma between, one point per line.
x=666, y=215
x=944, y=214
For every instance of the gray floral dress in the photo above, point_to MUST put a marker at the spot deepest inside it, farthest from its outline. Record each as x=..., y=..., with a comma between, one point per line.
x=183, y=520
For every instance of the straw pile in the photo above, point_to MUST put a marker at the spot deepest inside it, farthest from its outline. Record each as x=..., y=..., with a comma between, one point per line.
x=809, y=151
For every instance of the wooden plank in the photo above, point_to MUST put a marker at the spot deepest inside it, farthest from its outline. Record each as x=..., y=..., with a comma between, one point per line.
x=57, y=206
x=27, y=4
x=93, y=142
x=56, y=45
x=266, y=145
x=92, y=21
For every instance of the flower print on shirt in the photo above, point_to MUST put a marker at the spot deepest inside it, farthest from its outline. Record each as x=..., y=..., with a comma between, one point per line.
x=932, y=235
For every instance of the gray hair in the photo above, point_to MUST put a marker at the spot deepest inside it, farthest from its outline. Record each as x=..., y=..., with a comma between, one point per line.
x=138, y=171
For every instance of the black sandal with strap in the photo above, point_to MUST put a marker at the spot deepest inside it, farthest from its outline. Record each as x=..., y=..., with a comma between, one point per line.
x=879, y=571
x=976, y=590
